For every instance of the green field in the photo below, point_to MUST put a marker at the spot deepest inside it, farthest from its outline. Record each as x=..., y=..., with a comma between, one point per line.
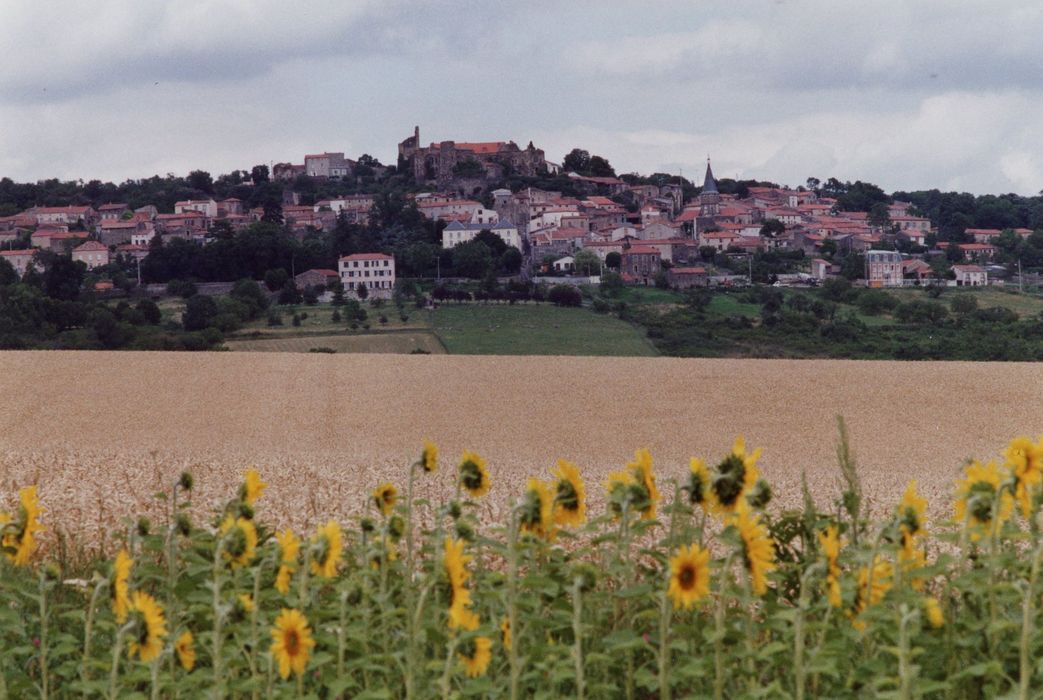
x=388, y=342
x=535, y=329
x=1024, y=305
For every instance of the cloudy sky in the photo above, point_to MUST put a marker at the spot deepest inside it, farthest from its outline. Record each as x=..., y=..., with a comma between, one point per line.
x=905, y=93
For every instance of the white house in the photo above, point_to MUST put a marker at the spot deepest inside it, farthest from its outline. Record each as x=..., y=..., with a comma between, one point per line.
x=375, y=271
x=206, y=207
x=458, y=232
x=970, y=275
x=92, y=253
x=20, y=259
x=566, y=264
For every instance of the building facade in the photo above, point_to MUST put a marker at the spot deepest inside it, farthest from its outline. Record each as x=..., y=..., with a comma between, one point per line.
x=374, y=271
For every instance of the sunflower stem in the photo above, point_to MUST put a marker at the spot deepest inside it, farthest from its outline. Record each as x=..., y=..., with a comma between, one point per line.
x=512, y=603
x=799, y=633
x=218, y=687
x=447, y=669
x=154, y=680
x=254, y=643
x=342, y=620
x=115, y=669
x=88, y=631
x=718, y=633
x=410, y=593
x=905, y=670
x=1028, y=615
x=664, y=606
x=44, y=671
x=577, y=635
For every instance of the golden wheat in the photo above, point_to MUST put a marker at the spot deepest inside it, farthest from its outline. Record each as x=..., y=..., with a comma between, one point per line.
x=102, y=432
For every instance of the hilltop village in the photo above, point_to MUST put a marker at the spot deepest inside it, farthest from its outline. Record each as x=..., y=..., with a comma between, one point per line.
x=149, y=263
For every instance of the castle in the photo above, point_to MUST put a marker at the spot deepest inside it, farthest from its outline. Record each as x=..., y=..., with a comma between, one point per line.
x=447, y=161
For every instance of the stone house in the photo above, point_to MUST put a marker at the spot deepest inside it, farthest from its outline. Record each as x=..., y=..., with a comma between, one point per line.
x=315, y=278
x=883, y=268
x=686, y=277
x=641, y=263
x=375, y=271
x=92, y=253
x=970, y=275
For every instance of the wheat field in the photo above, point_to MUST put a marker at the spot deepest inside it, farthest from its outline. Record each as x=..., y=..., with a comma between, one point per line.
x=103, y=432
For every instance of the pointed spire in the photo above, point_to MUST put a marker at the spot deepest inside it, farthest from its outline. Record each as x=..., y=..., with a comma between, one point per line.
x=709, y=183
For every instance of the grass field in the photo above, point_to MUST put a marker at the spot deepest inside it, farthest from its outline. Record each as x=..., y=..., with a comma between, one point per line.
x=324, y=429
x=401, y=342
x=1024, y=305
x=535, y=329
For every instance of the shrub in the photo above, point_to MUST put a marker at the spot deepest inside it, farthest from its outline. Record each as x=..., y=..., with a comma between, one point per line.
x=564, y=295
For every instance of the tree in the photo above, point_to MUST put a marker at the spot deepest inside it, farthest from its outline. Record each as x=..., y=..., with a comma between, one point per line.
x=259, y=174
x=200, y=310
x=250, y=294
x=361, y=290
x=275, y=279
x=879, y=216
x=497, y=246
x=964, y=304
x=149, y=311
x=600, y=167
x=587, y=262
x=614, y=260
x=8, y=275
x=577, y=161
x=62, y=277
x=511, y=260
x=472, y=259
x=289, y=294
x=201, y=180
x=772, y=228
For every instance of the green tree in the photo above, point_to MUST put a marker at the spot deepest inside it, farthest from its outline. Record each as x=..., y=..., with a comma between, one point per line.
x=880, y=216
x=772, y=228
x=472, y=259
x=614, y=260
x=149, y=311
x=362, y=291
x=587, y=262
x=611, y=284
x=200, y=310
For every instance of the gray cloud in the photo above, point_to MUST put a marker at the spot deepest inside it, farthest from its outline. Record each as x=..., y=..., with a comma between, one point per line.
x=907, y=94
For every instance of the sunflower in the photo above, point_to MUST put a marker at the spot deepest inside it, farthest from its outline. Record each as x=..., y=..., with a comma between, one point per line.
x=473, y=475
x=384, y=497
x=291, y=642
x=455, y=562
x=698, y=487
x=758, y=550
x=537, y=509
x=976, y=498
x=641, y=468
x=1025, y=459
x=241, y=545
x=475, y=655
x=621, y=487
x=933, y=610
x=328, y=546
x=505, y=633
x=831, y=543
x=911, y=511
x=150, y=627
x=689, y=576
x=429, y=457
x=735, y=477
x=19, y=539
x=570, y=497
x=120, y=586
x=873, y=584
x=289, y=548
x=186, y=652
x=246, y=602
x=252, y=487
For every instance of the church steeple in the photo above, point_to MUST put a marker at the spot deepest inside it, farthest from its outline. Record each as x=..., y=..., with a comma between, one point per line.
x=709, y=183
x=710, y=197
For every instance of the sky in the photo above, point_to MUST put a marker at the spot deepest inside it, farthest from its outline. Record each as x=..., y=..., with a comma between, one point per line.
x=906, y=94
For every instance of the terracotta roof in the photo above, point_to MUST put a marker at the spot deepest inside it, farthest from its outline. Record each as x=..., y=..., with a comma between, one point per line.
x=89, y=246
x=322, y=271
x=62, y=210
x=367, y=256
x=118, y=223
x=15, y=253
x=967, y=268
x=484, y=147
x=131, y=247
x=977, y=246
x=641, y=250
x=113, y=206
x=688, y=270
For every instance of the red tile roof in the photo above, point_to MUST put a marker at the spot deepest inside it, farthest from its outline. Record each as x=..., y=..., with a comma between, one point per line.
x=367, y=256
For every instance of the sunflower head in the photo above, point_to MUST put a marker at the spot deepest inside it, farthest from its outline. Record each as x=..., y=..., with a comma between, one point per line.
x=758, y=549
x=698, y=486
x=625, y=493
x=121, y=585
x=910, y=514
x=19, y=534
x=149, y=627
x=536, y=510
x=429, y=457
x=473, y=475
x=327, y=547
x=475, y=655
x=240, y=541
x=570, y=495
x=185, y=649
x=980, y=494
x=734, y=477
x=1025, y=460
x=830, y=542
x=689, y=576
x=291, y=642
x=385, y=497
x=873, y=584
x=641, y=468
x=252, y=487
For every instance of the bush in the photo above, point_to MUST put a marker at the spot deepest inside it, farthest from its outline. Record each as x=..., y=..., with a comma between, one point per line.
x=963, y=304
x=149, y=311
x=874, y=302
x=564, y=295
x=296, y=320
x=181, y=288
x=336, y=316
x=274, y=318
